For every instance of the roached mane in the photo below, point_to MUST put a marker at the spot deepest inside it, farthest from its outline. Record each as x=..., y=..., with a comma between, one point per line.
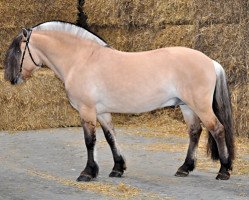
x=70, y=28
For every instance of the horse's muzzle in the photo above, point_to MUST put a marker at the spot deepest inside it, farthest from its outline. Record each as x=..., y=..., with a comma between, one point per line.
x=16, y=80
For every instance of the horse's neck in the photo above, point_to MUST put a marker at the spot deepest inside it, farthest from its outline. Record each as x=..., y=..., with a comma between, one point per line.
x=61, y=51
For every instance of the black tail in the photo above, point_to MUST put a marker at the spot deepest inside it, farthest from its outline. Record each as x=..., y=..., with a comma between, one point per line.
x=223, y=110
x=82, y=17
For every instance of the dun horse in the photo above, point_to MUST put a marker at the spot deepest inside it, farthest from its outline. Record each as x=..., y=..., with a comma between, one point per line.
x=100, y=80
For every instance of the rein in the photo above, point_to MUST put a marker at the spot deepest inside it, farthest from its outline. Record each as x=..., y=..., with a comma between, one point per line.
x=27, y=47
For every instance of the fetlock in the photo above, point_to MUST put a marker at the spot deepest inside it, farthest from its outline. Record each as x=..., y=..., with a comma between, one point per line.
x=91, y=171
x=119, y=167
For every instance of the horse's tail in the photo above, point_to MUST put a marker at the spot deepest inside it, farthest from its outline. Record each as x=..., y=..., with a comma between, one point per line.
x=82, y=17
x=223, y=110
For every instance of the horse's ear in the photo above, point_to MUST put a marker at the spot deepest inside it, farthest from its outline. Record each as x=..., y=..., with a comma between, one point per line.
x=25, y=33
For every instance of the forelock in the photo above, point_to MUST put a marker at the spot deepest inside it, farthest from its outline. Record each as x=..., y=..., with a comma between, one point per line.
x=12, y=59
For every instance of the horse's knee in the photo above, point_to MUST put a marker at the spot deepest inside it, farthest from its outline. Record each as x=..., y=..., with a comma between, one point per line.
x=218, y=131
x=193, y=122
x=195, y=129
x=195, y=132
x=212, y=124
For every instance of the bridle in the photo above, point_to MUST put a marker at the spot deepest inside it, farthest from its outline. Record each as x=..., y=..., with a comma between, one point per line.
x=27, y=47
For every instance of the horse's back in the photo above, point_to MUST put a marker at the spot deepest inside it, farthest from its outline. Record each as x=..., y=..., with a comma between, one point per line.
x=174, y=66
x=163, y=60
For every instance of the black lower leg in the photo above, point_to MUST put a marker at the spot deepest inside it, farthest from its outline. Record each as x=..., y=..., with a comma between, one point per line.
x=91, y=170
x=189, y=163
x=187, y=167
x=119, y=161
x=225, y=160
x=224, y=172
x=119, y=167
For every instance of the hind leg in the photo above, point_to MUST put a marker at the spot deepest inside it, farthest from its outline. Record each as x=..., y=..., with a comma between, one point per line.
x=108, y=129
x=216, y=129
x=194, y=131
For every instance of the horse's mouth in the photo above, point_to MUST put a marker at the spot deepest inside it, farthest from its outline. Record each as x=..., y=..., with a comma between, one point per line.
x=17, y=80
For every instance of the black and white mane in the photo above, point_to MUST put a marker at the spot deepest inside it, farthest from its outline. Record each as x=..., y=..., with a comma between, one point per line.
x=70, y=28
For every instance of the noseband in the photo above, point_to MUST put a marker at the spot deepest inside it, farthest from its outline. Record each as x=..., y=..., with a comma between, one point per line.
x=27, y=47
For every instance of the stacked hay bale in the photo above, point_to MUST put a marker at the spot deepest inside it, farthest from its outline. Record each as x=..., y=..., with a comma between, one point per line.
x=39, y=103
x=134, y=25
x=42, y=102
x=18, y=14
x=219, y=28
x=223, y=35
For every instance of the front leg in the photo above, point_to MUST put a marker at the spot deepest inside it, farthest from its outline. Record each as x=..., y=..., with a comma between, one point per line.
x=108, y=129
x=89, y=126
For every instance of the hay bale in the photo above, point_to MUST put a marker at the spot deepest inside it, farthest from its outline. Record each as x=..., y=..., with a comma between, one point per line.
x=20, y=13
x=222, y=33
x=147, y=13
x=136, y=13
x=147, y=39
x=17, y=14
x=218, y=11
x=240, y=96
x=115, y=37
x=39, y=103
x=225, y=43
x=182, y=35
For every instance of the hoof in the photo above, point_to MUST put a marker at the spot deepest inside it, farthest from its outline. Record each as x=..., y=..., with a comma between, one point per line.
x=181, y=173
x=84, y=178
x=116, y=174
x=223, y=176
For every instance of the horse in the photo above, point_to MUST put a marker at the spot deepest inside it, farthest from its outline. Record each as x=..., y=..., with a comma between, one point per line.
x=100, y=80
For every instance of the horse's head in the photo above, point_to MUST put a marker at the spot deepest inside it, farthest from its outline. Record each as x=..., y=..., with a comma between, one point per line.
x=19, y=61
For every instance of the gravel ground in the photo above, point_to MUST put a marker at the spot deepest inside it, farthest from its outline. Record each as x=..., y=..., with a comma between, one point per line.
x=44, y=164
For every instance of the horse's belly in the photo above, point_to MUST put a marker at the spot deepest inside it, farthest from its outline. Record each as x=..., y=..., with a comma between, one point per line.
x=139, y=106
x=172, y=102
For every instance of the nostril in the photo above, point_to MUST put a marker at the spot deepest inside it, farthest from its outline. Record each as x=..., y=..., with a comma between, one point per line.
x=14, y=81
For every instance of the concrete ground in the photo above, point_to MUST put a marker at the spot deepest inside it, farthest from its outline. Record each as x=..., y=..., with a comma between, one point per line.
x=44, y=164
